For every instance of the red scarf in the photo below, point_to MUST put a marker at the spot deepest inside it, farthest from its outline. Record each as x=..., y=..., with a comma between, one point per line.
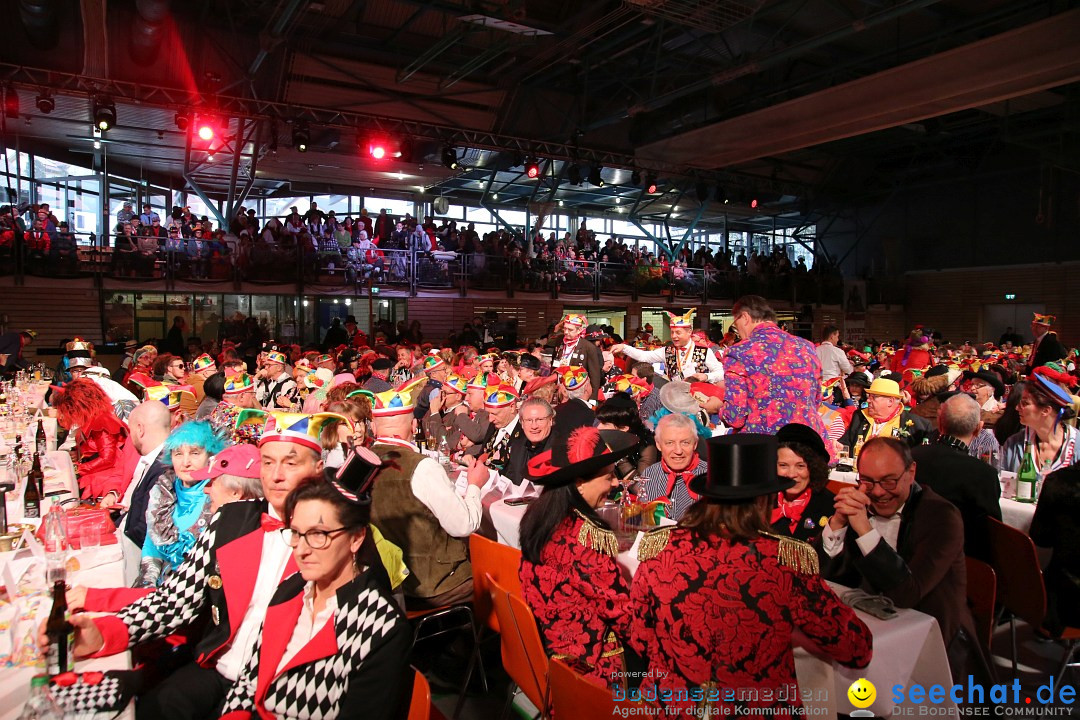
x=791, y=509
x=673, y=476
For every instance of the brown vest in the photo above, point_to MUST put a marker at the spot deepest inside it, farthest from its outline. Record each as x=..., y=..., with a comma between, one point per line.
x=437, y=562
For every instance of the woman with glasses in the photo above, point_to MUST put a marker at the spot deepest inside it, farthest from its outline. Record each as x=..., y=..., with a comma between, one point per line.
x=1044, y=406
x=178, y=510
x=333, y=643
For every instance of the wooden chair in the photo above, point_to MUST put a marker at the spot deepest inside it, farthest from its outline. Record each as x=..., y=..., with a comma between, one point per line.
x=523, y=654
x=1021, y=589
x=500, y=562
x=982, y=597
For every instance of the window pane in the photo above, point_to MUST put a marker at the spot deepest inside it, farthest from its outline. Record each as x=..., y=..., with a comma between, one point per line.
x=44, y=168
x=396, y=208
x=338, y=203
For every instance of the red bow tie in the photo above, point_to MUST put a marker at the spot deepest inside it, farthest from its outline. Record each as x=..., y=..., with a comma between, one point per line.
x=270, y=524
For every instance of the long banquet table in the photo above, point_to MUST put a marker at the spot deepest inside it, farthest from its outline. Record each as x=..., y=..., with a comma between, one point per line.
x=907, y=649
x=108, y=571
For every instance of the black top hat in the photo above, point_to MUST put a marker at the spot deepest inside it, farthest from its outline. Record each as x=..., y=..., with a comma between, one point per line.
x=580, y=454
x=353, y=480
x=859, y=379
x=741, y=467
x=595, y=332
x=803, y=435
x=990, y=378
x=529, y=361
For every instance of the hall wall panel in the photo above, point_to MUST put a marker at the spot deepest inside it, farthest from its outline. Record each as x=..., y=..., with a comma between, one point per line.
x=55, y=313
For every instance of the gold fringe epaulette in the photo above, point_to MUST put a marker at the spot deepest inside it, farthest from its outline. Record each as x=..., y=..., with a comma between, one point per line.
x=796, y=554
x=653, y=542
x=599, y=539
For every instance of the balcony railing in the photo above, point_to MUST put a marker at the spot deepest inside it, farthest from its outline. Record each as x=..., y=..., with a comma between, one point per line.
x=409, y=271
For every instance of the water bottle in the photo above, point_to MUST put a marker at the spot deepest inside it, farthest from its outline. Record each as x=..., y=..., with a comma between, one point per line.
x=41, y=705
x=56, y=545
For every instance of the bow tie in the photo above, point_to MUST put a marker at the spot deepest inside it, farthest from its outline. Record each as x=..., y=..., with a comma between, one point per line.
x=270, y=524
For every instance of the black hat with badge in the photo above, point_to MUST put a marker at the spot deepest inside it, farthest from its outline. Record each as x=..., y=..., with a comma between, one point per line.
x=741, y=467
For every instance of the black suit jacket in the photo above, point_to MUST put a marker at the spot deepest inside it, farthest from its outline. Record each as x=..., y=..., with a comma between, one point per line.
x=1050, y=349
x=927, y=570
x=1057, y=525
x=585, y=355
x=968, y=483
x=519, y=452
x=135, y=528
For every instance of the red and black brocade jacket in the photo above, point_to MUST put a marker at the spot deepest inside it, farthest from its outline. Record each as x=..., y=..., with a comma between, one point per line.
x=721, y=613
x=579, y=597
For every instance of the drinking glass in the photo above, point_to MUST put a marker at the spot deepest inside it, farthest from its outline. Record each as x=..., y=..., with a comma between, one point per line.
x=91, y=536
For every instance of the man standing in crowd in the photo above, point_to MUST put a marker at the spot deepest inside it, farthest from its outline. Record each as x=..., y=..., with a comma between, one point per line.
x=682, y=358
x=570, y=348
x=1046, y=346
x=416, y=507
x=772, y=378
x=834, y=361
x=276, y=388
x=901, y=540
x=968, y=483
x=669, y=479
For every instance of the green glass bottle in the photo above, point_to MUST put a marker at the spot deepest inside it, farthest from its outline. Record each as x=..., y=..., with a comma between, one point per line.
x=1027, y=478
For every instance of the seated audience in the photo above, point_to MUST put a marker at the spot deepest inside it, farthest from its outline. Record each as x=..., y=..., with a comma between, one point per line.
x=885, y=416
x=1043, y=408
x=669, y=479
x=802, y=510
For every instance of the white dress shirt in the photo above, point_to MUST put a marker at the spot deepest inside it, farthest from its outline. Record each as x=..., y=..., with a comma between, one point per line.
x=309, y=624
x=139, y=473
x=272, y=561
x=834, y=362
x=880, y=527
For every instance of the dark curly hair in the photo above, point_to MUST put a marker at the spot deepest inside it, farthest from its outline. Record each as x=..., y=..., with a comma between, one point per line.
x=815, y=464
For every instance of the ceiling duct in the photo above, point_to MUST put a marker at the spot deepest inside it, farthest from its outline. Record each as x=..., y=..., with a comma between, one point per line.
x=147, y=30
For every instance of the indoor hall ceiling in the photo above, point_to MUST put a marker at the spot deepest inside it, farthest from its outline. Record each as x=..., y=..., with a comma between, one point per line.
x=656, y=84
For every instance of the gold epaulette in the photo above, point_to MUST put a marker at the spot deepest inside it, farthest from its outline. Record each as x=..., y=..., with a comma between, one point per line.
x=796, y=554
x=652, y=542
x=599, y=539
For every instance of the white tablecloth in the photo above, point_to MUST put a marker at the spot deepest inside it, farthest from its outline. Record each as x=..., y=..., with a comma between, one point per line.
x=15, y=682
x=907, y=649
x=1017, y=514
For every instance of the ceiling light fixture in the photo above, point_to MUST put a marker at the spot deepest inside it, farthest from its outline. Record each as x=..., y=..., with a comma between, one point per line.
x=532, y=169
x=45, y=102
x=450, y=158
x=594, y=176
x=11, y=102
x=104, y=111
x=181, y=121
x=301, y=137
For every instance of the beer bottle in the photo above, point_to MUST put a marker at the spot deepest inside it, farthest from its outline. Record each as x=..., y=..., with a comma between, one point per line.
x=37, y=476
x=1027, y=478
x=31, y=496
x=61, y=633
x=40, y=440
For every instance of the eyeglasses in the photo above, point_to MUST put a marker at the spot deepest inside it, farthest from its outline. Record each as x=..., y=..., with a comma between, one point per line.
x=887, y=484
x=315, y=539
x=536, y=421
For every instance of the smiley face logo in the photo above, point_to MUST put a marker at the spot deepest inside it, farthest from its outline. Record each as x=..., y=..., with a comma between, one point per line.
x=862, y=693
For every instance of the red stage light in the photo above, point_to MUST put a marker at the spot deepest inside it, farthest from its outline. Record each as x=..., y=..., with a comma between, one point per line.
x=533, y=171
x=753, y=204
x=377, y=150
x=652, y=188
x=206, y=132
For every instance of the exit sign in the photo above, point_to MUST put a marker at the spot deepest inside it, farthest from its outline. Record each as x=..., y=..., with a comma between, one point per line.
x=1010, y=296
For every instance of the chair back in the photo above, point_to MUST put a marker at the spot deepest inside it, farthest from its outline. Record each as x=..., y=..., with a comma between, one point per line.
x=420, y=705
x=982, y=596
x=572, y=696
x=1020, y=585
x=500, y=562
x=523, y=655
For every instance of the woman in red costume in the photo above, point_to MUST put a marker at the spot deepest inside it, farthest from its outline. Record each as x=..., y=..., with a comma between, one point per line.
x=101, y=439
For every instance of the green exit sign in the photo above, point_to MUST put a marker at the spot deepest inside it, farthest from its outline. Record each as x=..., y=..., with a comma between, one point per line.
x=1010, y=296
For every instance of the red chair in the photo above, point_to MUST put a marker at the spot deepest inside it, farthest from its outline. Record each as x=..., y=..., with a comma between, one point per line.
x=982, y=597
x=572, y=696
x=420, y=706
x=500, y=562
x=1021, y=589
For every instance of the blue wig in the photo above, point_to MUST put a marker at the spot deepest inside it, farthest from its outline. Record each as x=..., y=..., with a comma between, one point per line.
x=193, y=433
x=702, y=431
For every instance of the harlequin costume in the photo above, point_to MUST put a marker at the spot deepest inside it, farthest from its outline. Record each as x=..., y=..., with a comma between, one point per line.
x=716, y=615
x=578, y=592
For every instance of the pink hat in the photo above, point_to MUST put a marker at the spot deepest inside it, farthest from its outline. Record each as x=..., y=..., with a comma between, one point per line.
x=241, y=460
x=342, y=378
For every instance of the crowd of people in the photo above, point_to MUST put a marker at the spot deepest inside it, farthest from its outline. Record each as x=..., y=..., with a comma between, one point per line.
x=295, y=501
x=390, y=250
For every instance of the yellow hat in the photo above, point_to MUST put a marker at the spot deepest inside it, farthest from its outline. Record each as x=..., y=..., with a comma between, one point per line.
x=885, y=388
